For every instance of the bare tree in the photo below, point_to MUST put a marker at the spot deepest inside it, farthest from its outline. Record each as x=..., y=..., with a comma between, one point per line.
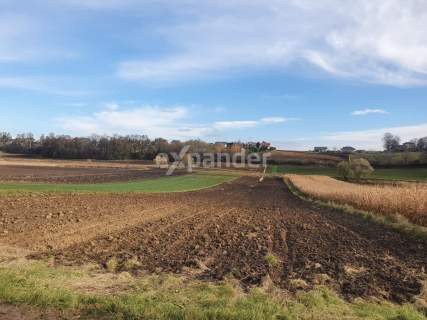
x=422, y=144
x=390, y=141
x=5, y=138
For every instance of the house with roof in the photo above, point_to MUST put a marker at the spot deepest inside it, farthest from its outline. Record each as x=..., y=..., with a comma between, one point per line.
x=320, y=149
x=348, y=149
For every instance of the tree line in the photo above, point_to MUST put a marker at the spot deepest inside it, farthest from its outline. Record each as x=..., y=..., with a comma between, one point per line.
x=393, y=143
x=130, y=147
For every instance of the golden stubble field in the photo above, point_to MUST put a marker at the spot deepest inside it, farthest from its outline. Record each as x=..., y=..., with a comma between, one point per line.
x=408, y=200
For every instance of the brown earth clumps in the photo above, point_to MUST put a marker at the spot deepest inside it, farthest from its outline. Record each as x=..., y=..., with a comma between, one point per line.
x=244, y=229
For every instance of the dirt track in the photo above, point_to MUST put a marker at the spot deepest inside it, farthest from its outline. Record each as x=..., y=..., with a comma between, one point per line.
x=223, y=231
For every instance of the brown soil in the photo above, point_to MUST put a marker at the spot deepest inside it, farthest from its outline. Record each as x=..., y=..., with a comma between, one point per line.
x=51, y=174
x=224, y=231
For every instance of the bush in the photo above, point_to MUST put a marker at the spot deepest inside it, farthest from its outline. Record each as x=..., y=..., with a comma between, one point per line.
x=344, y=170
x=360, y=168
x=355, y=169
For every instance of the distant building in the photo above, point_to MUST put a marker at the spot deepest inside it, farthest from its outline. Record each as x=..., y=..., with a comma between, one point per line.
x=348, y=149
x=320, y=149
x=265, y=145
x=232, y=144
x=251, y=145
x=409, y=146
x=221, y=143
x=161, y=160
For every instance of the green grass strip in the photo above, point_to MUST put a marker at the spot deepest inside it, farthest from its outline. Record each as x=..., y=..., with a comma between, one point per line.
x=165, y=184
x=172, y=297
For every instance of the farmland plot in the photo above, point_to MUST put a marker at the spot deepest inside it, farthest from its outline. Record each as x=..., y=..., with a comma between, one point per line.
x=409, y=200
x=244, y=229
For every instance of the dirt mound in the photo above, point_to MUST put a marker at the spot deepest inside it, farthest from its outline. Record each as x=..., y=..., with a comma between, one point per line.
x=245, y=229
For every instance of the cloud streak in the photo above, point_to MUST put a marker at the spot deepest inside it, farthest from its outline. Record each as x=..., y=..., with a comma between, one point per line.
x=366, y=112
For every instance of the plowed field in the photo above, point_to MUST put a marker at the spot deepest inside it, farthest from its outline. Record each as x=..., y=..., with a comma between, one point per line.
x=46, y=174
x=214, y=233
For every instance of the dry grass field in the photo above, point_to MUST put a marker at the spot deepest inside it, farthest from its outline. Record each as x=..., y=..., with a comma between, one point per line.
x=408, y=200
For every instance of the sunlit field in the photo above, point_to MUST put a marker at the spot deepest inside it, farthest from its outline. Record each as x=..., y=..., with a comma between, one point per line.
x=409, y=200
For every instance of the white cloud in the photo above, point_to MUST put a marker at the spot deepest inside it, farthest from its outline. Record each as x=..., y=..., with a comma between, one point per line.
x=375, y=41
x=154, y=121
x=370, y=40
x=170, y=123
x=272, y=120
x=251, y=123
x=366, y=112
x=235, y=124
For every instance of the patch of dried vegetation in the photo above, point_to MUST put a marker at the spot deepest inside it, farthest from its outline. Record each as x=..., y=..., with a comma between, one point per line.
x=408, y=200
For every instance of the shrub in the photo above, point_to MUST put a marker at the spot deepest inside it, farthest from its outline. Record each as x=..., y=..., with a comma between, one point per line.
x=355, y=169
x=344, y=170
x=360, y=168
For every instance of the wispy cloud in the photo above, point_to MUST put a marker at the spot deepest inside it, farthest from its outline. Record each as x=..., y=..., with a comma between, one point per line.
x=381, y=42
x=366, y=112
x=27, y=38
x=171, y=123
x=239, y=124
x=151, y=120
x=272, y=120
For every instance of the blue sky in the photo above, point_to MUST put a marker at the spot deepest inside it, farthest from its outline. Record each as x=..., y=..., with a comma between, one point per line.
x=298, y=73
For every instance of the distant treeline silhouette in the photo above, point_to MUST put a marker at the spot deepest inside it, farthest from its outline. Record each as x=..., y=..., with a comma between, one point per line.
x=130, y=147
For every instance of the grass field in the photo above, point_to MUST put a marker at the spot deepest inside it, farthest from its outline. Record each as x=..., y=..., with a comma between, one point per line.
x=84, y=292
x=165, y=184
x=416, y=174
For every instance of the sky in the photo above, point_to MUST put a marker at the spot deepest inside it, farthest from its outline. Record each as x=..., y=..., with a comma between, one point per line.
x=297, y=73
